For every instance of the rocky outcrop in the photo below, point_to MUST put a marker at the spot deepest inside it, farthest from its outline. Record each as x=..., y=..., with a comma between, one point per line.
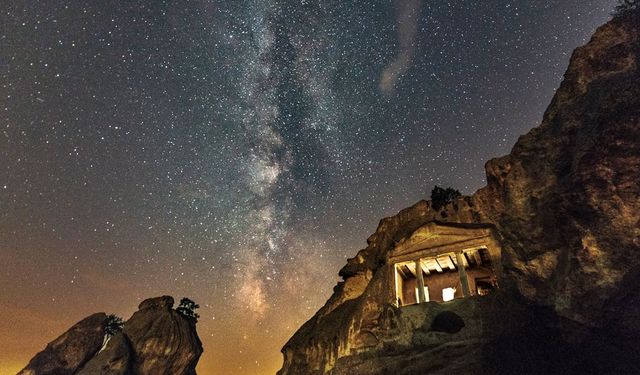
x=70, y=351
x=566, y=198
x=565, y=208
x=155, y=340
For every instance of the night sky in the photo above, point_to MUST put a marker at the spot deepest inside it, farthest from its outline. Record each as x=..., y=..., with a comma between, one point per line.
x=237, y=152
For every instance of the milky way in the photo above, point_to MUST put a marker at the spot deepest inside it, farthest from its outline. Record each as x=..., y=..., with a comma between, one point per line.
x=238, y=152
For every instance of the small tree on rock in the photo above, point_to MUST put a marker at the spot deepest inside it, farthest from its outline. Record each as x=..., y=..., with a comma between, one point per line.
x=187, y=308
x=113, y=325
x=441, y=197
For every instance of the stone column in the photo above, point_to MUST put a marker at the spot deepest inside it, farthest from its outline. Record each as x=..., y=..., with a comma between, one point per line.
x=463, y=274
x=421, y=297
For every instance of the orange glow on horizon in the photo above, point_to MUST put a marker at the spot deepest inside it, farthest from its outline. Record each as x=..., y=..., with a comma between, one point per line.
x=238, y=343
x=10, y=368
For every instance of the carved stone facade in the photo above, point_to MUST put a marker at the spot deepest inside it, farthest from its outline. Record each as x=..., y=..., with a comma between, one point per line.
x=565, y=206
x=438, y=250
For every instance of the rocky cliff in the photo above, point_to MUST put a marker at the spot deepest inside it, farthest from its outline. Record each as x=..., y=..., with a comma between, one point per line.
x=565, y=208
x=155, y=340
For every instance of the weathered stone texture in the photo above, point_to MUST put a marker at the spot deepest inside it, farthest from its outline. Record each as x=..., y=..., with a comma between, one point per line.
x=156, y=340
x=71, y=350
x=565, y=205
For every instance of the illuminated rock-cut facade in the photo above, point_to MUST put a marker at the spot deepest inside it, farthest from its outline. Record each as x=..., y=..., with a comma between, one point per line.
x=436, y=284
x=440, y=262
x=559, y=295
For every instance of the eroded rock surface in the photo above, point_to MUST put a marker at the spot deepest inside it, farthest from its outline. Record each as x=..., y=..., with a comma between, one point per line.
x=155, y=340
x=565, y=206
x=70, y=351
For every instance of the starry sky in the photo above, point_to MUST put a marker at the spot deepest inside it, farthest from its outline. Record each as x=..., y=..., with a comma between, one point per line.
x=237, y=152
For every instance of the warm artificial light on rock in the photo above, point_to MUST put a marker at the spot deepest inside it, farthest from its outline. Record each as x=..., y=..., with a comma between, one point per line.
x=555, y=228
x=438, y=250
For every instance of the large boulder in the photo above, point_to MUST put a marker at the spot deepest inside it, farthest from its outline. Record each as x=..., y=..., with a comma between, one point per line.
x=164, y=341
x=70, y=351
x=156, y=340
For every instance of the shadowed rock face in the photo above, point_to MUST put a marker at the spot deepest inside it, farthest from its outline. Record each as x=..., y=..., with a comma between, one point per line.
x=116, y=358
x=565, y=206
x=71, y=350
x=155, y=340
x=566, y=198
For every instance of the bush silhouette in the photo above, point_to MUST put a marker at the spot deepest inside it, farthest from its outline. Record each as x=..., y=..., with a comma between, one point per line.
x=440, y=196
x=187, y=308
x=114, y=325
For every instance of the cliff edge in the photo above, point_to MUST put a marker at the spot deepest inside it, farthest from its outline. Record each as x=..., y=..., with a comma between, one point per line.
x=564, y=209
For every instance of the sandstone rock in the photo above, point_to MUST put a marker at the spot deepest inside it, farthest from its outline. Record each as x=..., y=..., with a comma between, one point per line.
x=156, y=340
x=71, y=350
x=164, y=342
x=565, y=208
x=161, y=303
x=114, y=359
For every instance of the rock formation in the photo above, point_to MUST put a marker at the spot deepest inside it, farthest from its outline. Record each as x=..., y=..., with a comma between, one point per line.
x=564, y=207
x=155, y=340
x=71, y=350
